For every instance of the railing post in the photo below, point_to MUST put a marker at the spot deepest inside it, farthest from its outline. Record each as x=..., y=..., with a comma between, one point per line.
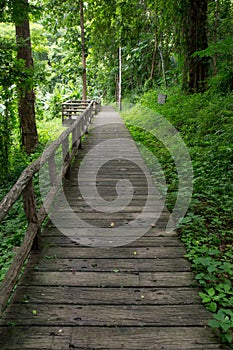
x=66, y=155
x=74, y=138
x=52, y=170
x=79, y=135
x=29, y=202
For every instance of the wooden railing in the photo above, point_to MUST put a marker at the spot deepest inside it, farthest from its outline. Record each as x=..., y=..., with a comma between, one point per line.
x=24, y=186
x=73, y=109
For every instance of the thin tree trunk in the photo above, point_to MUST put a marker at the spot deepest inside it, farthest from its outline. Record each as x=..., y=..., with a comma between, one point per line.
x=26, y=103
x=163, y=66
x=197, y=40
x=152, y=72
x=215, y=35
x=84, y=65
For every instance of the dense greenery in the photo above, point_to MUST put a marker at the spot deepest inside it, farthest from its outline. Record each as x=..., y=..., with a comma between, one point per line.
x=157, y=50
x=205, y=122
x=14, y=225
x=177, y=47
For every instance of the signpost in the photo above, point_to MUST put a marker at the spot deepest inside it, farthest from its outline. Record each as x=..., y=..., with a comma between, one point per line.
x=119, y=80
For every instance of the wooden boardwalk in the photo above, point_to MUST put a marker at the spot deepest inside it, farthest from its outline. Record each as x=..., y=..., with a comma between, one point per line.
x=88, y=289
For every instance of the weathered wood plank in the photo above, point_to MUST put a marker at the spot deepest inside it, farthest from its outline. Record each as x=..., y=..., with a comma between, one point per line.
x=104, y=216
x=106, y=296
x=107, y=279
x=169, y=252
x=145, y=338
x=64, y=241
x=108, y=315
x=79, y=205
x=106, y=338
x=154, y=237
x=110, y=265
x=79, y=227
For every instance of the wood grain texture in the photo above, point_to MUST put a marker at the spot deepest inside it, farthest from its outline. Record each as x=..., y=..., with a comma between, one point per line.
x=106, y=338
x=107, y=315
x=113, y=296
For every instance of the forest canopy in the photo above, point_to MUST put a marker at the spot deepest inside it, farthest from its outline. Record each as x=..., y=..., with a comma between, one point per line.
x=74, y=43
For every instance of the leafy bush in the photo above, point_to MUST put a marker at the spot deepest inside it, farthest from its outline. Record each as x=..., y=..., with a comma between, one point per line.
x=206, y=125
x=14, y=225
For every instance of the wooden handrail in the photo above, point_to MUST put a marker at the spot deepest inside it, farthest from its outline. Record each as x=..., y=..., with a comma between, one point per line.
x=24, y=186
x=72, y=109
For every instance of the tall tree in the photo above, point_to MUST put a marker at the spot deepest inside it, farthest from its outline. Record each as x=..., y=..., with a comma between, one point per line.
x=196, y=40
x=26, y=95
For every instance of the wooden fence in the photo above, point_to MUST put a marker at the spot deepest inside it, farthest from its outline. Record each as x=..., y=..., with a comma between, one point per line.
x=73, y=109
x=24, y=186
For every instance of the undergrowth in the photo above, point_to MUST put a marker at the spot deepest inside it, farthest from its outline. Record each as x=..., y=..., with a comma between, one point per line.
x=205, y=122
x=14, y=224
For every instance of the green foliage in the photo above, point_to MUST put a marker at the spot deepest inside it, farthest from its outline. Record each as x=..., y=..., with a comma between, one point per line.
x=11, y=235
x=205, y=122
x=11, y=69
x=14, y=225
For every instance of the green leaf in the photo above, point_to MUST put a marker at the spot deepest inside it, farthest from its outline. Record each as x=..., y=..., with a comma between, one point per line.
x=211, y=291
x=214, y=324
x=212, y=306
x=229, y=338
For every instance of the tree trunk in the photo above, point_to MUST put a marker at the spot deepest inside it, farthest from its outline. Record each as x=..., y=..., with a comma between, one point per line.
x=26, y=104
x=152, y=72
x=84, y=65
x=163, y=66
x=215, y=35
x=197, y=40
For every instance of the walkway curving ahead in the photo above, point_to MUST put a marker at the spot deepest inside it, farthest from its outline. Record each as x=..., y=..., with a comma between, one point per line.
x=108, y=277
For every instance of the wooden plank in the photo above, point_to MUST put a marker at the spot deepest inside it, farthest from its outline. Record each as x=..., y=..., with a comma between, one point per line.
x=107, y=279
x=154, y=238
x=108, y=315
x=86, y=227
x=106, y=296
x=35, y=338
x=106, y=338
x=120, y=253
x=97, y=216
x=79, y=206
x=64, y=241
x=110, y=265
x=149, y=338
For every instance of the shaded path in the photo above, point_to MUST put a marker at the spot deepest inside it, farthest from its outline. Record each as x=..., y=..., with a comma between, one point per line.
x=138, y=295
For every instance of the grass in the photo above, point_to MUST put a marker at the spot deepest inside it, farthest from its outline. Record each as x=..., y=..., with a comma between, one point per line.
x=205, y=123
